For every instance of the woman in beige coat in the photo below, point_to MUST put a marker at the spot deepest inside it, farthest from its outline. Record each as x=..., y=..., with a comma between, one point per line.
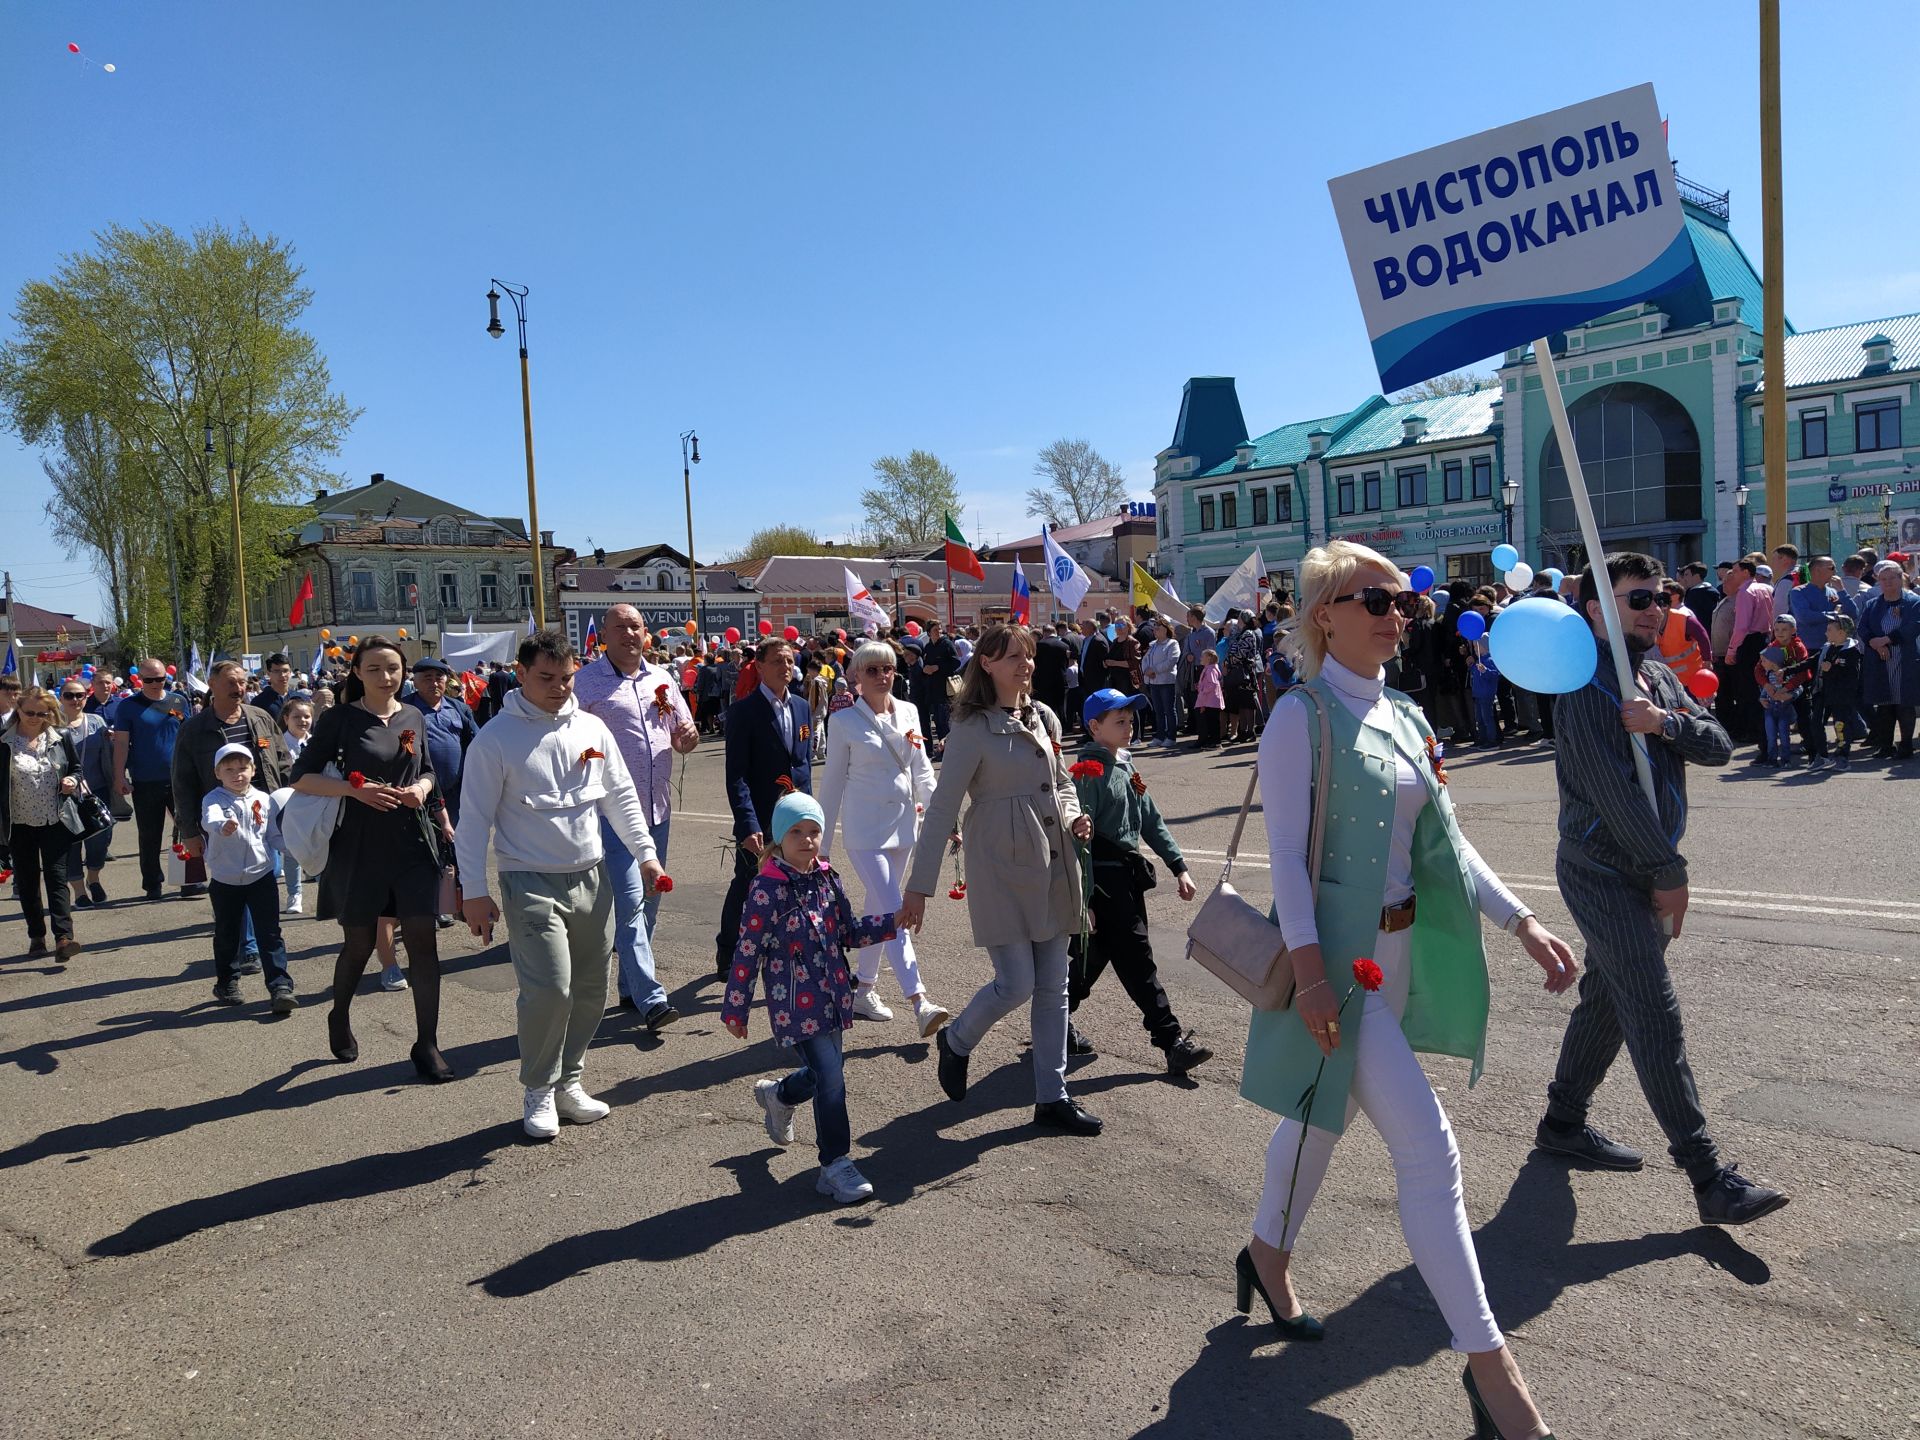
x=1023, y=895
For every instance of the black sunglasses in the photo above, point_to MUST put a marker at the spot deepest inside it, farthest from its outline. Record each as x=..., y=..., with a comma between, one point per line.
x=1378, y=601
x=1642, y=599
x=1663, y=599
x=153, y=679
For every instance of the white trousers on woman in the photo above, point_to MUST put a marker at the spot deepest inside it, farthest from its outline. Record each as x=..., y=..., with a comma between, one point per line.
x=1390, y=1086
x=881, y=872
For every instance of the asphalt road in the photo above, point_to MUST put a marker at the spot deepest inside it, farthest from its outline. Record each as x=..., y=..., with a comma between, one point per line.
x=210, y=1228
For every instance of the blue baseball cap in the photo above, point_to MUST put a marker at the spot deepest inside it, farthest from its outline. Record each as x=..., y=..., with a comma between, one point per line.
x=790, y=811
x=1101, y=701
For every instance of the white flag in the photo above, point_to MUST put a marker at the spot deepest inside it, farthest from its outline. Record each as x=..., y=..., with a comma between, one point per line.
x=862, y=609
x=193, y=659
x=1241, y=590
x=1067, y=580
x=529, y=622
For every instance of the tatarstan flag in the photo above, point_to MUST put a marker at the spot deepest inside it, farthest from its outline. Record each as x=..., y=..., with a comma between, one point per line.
x=960, y=555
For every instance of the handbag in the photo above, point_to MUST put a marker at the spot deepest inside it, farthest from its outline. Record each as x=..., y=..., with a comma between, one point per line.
x=1238, y=943
x=85, y=814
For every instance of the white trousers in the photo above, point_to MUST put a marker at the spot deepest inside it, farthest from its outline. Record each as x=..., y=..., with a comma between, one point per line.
x=881, y=873
x=1390, y=1086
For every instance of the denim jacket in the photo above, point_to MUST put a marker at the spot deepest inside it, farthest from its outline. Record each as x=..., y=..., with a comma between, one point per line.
x=798, y=928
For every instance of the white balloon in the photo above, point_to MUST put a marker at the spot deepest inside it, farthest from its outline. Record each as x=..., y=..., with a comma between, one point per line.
x=1520, y=576
x=108, y=69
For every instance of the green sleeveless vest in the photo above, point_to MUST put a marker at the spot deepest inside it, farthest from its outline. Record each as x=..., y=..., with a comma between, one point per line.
x=1447, y=996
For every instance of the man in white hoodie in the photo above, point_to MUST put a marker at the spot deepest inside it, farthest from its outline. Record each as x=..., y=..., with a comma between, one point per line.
x=538, y=779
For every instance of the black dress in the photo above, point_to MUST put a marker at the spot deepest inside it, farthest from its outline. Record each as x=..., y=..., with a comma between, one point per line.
x=383, y=862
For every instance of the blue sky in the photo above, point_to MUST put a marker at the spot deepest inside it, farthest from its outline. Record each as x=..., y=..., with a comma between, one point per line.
x=824, y=232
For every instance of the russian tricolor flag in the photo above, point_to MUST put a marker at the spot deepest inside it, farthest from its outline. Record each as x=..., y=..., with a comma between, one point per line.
x=592, y=637
x=1021, y=607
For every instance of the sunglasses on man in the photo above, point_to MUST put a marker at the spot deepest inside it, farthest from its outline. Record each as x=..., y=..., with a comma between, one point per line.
x=1378, y=601
x=1643, y=599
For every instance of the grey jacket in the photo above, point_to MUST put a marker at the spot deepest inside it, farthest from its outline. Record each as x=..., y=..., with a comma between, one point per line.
x=1023, y=870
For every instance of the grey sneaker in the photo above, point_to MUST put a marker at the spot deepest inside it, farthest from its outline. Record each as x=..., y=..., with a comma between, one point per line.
x=844, y=1183
x=393, y=979
x=766, y=1094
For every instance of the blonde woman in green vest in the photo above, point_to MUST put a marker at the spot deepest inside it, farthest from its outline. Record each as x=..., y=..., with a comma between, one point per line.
x=1400, y=885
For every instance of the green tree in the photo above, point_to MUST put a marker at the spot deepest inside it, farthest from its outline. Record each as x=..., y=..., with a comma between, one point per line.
x=1082, y=484
x=127, y=352
x=782, y=540
x=1460, y=382
x=907, y=506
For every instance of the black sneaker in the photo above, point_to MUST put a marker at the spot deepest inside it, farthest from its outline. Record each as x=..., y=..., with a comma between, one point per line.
x=952, y=1067
x=227, y=992
x=249, y=964
x=192, y=892
x=1067, y=1115
x=155, y=894
x=1729, y=1198
x=1078, y=1044
x=284, y=1001
x=1184, y=1055
x=81, y=899
x=1583, y=1142
x=661, y=1016
x=97, y=893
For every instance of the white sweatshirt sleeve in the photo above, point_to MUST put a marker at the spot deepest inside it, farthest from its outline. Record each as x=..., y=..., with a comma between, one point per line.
x=1286, y=798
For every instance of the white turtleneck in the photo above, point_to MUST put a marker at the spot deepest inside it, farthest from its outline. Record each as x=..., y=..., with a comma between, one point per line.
x=1286, y=796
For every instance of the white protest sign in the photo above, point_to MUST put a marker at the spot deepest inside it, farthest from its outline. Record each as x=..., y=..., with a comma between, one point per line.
x=1482, y=244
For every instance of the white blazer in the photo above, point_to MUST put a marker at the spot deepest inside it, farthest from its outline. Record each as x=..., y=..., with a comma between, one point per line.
x=880, y=777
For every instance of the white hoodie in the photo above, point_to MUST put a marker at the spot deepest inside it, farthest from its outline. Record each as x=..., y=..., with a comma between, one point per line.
x=530, y=782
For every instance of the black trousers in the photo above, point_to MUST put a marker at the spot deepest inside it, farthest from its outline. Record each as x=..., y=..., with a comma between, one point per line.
x=1120, y=939
x=40, y=870
x=745, y=867
x=152, y=803
x=1742, y=717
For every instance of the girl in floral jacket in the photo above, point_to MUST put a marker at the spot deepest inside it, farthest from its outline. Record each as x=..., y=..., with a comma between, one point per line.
x=797, y=925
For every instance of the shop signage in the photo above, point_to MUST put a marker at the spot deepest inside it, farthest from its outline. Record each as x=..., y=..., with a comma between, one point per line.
x=1838, y=491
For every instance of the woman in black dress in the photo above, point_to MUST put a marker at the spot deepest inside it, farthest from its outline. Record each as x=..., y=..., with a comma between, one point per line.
x=385, y=859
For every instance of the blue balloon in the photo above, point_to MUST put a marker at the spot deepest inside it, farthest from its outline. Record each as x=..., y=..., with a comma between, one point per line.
x=1472, y=625
x=1421, y=580
x=1441, y=600
x=1112, y=634
x=1542, y=645
x=1554, y=575
x=1504, y=558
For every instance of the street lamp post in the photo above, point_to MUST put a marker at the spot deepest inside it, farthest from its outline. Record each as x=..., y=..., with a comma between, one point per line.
x=154, y=454
x=239, y=555
x=1740, y=504
x=689, y=457
x=1509, y=497
x=893, y=569
x=518, y=294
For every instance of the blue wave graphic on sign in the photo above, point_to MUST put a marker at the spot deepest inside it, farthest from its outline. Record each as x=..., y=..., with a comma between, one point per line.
x=1440, y=343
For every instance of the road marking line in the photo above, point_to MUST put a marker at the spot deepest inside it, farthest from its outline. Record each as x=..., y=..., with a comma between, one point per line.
x=1698, y=891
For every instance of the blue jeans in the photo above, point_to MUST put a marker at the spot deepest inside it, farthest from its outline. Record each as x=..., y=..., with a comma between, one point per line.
x=1486, y=722
x=93, y=850
x=249, y=910
x=1166, y=711
x=1779, y=719
x=822, y=1080
x=633, y=915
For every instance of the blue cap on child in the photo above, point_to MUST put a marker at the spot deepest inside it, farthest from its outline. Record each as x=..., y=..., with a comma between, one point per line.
x=791, y=810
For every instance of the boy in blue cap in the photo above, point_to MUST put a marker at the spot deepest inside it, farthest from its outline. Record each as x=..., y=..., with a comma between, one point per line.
x=1114, y=796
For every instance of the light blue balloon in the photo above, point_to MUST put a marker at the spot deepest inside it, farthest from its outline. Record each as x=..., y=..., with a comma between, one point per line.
x=1504, y=558
x=1554, y=575
x=1472, y=625
x=1421, y=580
x=1441, y=600
x=1542, y=645
x=1112, y=633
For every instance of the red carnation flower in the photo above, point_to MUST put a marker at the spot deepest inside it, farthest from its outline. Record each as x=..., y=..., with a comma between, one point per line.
x=660, y=693
x=356, y=779
x=958, y=892
x=663, y=884
x=1086, y=770
x=5, y=875
x=1367, y=975
x=406, y=741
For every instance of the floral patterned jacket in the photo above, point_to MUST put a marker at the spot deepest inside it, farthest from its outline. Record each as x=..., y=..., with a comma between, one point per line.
x=798, y=927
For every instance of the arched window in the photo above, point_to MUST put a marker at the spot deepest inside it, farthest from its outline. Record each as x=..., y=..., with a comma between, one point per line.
x=1640, y=454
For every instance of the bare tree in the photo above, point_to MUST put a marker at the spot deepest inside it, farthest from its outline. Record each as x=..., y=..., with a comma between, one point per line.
x=1460, y=382
x=1082, y=484
x=907, y=507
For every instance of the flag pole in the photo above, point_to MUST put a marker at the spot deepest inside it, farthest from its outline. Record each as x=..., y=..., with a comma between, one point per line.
x=1596, y=555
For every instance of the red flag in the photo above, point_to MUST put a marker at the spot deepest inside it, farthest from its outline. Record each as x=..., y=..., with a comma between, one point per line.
x=960, y=555
x=295, y=619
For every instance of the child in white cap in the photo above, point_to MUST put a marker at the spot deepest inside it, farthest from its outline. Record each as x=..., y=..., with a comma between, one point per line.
x=239, y=857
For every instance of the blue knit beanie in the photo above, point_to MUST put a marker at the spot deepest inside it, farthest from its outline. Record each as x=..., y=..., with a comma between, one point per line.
x=791, y=810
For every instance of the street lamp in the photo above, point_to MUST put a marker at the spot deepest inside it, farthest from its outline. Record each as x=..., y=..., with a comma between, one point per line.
x=689, y=457
x=1509, y=497
x=1740, y=504
x=518, y=294
x=239, y=557
x=893, y=569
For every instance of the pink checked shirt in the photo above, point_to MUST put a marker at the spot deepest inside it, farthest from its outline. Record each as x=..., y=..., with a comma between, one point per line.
x=645, y=736
x=1752, y=614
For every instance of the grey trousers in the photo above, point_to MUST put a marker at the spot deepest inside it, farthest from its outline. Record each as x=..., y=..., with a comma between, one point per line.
x=1033, y=971
x=560, y=933
x=1627, y=995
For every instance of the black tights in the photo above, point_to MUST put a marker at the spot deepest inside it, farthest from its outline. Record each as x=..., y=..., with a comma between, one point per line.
x=422, y=939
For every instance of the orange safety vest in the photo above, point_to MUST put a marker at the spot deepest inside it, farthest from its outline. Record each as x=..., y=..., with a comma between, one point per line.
x=1682, y=655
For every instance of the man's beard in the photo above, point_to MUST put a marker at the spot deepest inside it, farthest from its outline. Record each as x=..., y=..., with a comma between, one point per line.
x=1639, y=646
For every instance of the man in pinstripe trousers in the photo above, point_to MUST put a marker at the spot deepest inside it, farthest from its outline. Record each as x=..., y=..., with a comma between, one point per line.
x=1623, y=877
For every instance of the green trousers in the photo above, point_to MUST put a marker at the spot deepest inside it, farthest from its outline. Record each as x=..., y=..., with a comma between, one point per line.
x=560, y=933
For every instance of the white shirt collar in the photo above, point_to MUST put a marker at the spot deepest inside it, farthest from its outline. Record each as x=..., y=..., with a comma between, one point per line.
x=1351, y=684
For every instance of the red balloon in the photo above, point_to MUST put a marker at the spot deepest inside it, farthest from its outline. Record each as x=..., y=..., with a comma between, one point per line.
x=841, y=636
x=1703, y=684
x=169, y=669
x=766, y=627
x=789, y=634
x=687, y=677
x=72, y=49
x=913, y=627
x=733, y=635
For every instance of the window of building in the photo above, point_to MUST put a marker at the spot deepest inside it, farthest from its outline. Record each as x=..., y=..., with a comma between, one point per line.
x=489, y=591
x=1813, y=435
x=402, y=580
x=449, y=589
x=1229, y=512
x=525, y=577
x=1259, y=507
x=1641, y=455
x=1370, y=490
x=362, y=582
x=1346, y=495
x=1206, y=512
x=1482, y=477
x=1877, y=426
x=1476, y=568
x=913, y=588
x=1411, y=485
x=1283, y=504
x=1811, y=537
x=1452, y=475
x=1284, y=588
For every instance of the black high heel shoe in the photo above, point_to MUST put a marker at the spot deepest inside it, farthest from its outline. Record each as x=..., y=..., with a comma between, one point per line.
x=340, y=1038
x=430, y=1064
x=1483, y=1426
x=1247, y=1280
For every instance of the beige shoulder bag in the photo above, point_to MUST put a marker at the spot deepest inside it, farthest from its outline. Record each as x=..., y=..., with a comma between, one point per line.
x=1230, y=937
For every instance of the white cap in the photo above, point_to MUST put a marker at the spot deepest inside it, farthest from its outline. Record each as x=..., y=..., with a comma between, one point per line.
x=227, y=752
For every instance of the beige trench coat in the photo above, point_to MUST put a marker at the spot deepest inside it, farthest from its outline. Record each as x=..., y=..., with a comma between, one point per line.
x=1023, y=872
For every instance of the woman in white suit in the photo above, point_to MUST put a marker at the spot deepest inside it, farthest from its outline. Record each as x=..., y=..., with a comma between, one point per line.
x=879, y=774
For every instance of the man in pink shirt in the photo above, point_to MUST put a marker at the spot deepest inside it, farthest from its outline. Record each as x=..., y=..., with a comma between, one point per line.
x=642, y=705
x=1752, y=624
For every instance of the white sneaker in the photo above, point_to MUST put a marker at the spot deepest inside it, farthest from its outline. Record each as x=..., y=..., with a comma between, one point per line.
x=868, y=1005
x=539, y=1117
x=929, y=1016
x=576, y=1105
x=844, y=1183
x=779, y=1115
x=393, y=979
x=293, y=907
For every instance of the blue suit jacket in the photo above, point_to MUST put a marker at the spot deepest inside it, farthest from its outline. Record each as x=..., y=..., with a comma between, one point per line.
x=757, y=758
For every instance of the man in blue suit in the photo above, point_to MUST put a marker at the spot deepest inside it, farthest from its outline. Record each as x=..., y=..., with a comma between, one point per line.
x=769, y=749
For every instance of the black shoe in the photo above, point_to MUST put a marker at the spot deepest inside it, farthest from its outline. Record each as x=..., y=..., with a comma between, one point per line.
x=1184, y=1055
x=37, y=946
x=1246, y=1280
x=1078, y=1044
x=97, y=893
x=1483, y=1426
x=227, y=992
x=429, y=1064
x=1729, y=1198
x=661, y=1016
x=1583, y=1142
x=81, y=899
x=1066, y=1115
x=340, y=1038
x=722, y=967
x=155, y=894
x=249, y=964
x=445, y=922
x=952, y=1068
x=626, y=1003
x=1903, y=751
x=1883, y=752
x=192, y=892
x=284, y=1001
